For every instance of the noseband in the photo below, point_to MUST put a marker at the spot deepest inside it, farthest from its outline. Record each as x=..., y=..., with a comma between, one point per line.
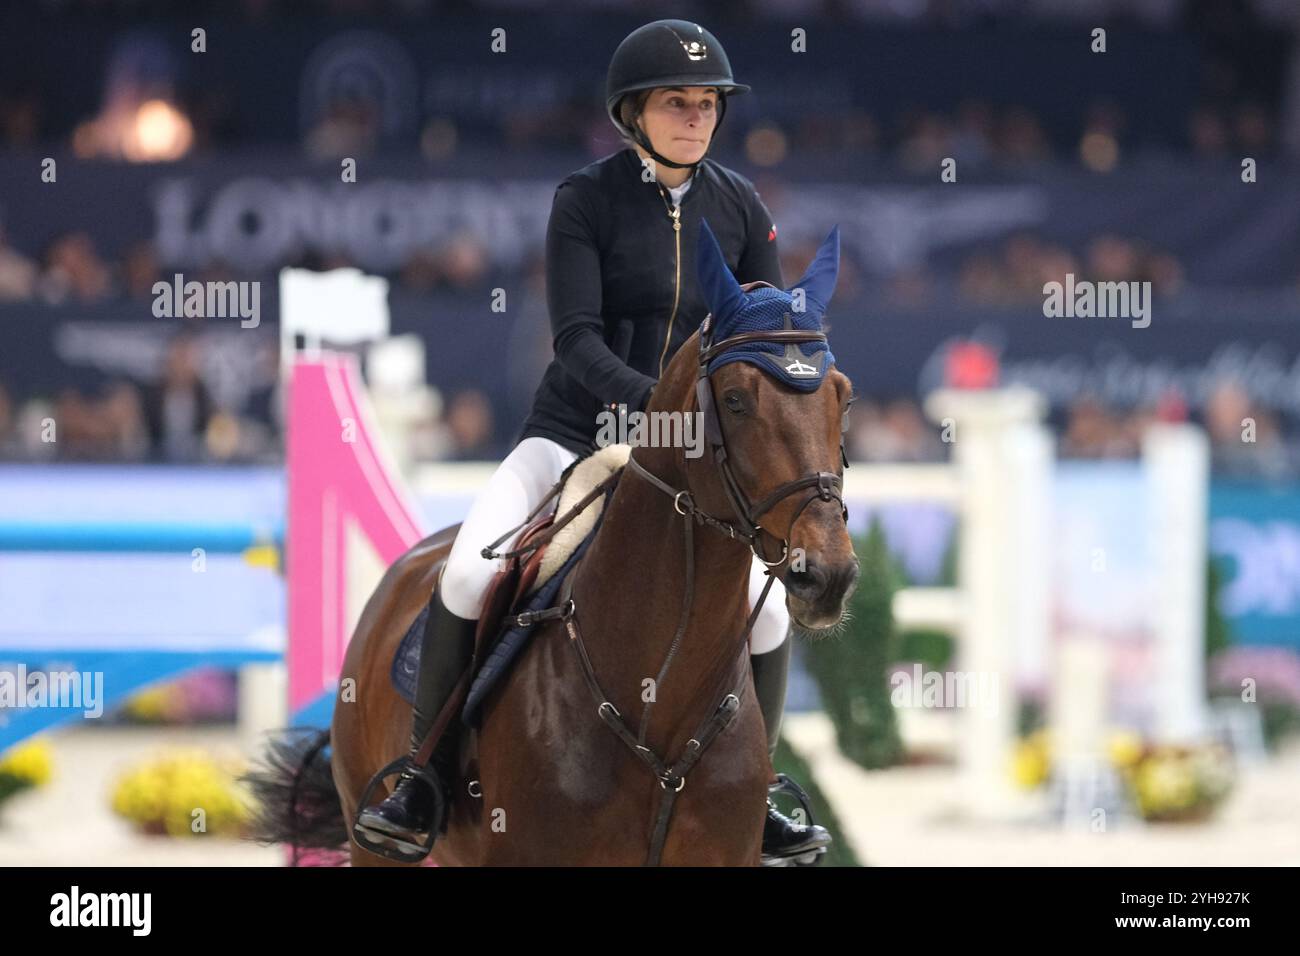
x=746, y=526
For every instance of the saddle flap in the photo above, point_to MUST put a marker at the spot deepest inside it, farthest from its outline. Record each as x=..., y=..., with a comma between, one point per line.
x=528, y=574
x=508, y=586
x=514, y=638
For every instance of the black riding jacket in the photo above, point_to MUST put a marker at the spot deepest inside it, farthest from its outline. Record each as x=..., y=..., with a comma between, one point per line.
x=621, y=284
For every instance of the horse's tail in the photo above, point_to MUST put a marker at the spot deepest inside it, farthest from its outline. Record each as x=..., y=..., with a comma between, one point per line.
x=295, y=800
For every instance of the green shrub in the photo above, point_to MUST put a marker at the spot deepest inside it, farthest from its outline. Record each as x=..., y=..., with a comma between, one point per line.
x=851, y=669
x=933, y=648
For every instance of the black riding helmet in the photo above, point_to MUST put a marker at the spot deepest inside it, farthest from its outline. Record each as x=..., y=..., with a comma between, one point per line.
x=668, y=53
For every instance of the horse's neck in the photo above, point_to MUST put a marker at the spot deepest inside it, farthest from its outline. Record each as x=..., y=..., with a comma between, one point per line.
x=629, y=593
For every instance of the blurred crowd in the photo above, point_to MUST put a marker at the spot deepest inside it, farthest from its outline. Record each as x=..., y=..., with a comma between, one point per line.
x=1243, y=105
x=1009, y=273
x=1245, y=441
x=1016, y=273
x=173, y=420
x=977, y=132
x=73, y=270
x=177, y=421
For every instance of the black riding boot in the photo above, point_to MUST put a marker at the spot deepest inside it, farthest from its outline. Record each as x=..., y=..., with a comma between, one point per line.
x=783, y=838
x=447, y=648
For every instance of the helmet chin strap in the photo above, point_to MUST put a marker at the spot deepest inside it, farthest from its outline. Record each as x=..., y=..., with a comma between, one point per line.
x=663, y=160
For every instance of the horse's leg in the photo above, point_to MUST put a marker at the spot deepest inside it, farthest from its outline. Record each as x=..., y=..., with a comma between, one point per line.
x=372, y=726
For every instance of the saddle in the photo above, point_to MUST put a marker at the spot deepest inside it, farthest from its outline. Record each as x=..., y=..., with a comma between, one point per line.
x=535, y=568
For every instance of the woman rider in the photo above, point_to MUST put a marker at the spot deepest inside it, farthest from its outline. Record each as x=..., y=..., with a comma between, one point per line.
x=623, y=297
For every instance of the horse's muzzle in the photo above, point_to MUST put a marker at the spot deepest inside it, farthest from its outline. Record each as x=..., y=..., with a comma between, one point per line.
x=819, y=591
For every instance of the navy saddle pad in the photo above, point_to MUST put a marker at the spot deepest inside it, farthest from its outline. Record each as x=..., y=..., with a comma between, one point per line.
x=406, y=664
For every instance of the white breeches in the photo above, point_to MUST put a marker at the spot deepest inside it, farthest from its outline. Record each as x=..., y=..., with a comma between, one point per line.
x=515, y=488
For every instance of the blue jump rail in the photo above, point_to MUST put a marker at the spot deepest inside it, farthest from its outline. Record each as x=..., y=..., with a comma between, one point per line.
x=119, y=536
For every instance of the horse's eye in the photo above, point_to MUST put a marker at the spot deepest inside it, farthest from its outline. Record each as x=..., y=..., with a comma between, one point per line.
x=734, y=403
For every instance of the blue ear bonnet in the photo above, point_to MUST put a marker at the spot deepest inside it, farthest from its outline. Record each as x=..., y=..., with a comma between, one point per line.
x=800, y=365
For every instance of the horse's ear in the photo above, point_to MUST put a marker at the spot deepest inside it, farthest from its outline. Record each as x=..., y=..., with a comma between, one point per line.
x=722, y=293
x=818, y=283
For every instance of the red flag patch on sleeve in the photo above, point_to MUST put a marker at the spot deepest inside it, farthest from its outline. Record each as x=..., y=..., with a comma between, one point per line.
x=771, y=234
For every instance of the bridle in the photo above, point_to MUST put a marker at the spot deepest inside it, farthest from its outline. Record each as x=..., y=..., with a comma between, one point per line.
x=828, y=484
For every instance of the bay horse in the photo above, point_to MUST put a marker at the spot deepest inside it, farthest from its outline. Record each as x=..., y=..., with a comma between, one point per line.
x=664, y=579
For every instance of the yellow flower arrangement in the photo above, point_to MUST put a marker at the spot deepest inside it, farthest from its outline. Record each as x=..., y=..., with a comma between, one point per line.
x=1165, y=783
x=1180, y=783
x=163, y=796
x=150, y=705
x=1124, y=747
x=24, y=766
x=1031, y=761
x=31, y=763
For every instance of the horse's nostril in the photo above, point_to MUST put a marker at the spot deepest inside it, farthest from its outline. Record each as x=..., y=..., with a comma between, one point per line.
x=849, y=576
x=815, y=582
x=806, y=584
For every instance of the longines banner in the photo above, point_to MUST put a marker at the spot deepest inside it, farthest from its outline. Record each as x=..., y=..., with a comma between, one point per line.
x=256, y=213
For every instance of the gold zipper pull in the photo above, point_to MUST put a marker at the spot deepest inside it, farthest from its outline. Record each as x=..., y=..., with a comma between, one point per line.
x=674, y=212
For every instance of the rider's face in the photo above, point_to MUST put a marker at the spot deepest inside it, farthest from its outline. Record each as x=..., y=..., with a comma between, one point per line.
x=679, y=121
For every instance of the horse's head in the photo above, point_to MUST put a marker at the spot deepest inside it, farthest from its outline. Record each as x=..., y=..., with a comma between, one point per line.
x=762, y=375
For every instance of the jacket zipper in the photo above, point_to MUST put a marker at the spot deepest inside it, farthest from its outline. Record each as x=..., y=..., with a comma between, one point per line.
x=674, y=213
